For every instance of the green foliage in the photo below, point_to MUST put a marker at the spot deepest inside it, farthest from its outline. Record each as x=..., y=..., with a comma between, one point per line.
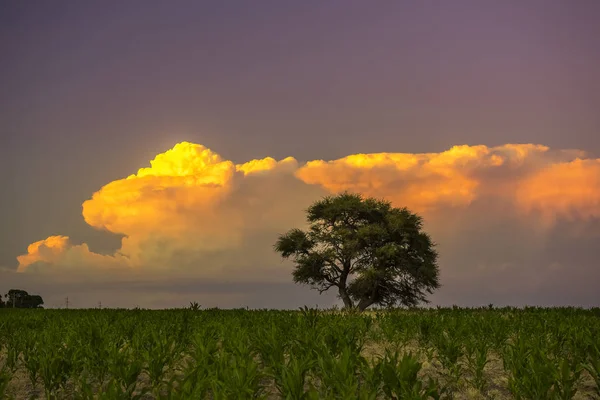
x=198, y=369
x=476, y=352
x=450, y=353
x=592, y=362
x=158, y=348
x=339, y=374
x=31, y=358
x=55, y=366
x=536, y=372
x=16, y=298
x=401, y=381
x=384, y=249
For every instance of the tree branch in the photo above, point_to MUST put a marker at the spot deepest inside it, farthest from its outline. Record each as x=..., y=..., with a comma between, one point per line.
x=326, y=287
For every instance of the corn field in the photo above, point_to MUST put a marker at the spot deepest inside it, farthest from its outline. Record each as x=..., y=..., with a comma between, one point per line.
x=444, y=353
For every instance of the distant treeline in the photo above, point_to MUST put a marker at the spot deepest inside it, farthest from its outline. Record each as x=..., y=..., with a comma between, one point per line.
x=16, y=298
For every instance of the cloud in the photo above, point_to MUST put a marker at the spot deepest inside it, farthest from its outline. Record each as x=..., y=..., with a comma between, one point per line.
x=496, y=212
x=190, y=212
x=58, y=251
x=456, y=177
x=570, y=189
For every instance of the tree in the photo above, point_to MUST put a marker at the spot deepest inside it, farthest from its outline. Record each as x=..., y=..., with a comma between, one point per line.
x=33, y=301
x=17, y=298
x=1, y=302
x=372, y=252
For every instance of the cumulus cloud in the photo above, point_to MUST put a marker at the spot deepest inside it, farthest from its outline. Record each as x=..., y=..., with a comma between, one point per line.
x=460, y=175
x=570, y=189
x=58, y=251
x=190, y=212
x=495, y=211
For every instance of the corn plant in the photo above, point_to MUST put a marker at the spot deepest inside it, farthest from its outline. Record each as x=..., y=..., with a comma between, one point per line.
x=450, y=351
x=566, y=377
x=592, y=365
x=310, y=317
x=288, y=372
x=55, y=366
x=115, y=390
x=13, y=349
x=158, y=351
x=401, y=381
x=476, y=352
x=198, y=369
x=339, y=374
x=31, y=359
x=425, y=332
x=370, y=382
x=93, y=351
x=125, y=369
x=271, y=346
x=530, y=374
x=237, y=378
x=290, y=379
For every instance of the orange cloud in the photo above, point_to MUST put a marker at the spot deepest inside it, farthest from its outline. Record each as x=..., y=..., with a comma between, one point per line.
x=420, y=181
x=178, y=193
x=187, y=206
x=48, y=250
x=266, y=164
x=193, y=210
x=186, y=178
x=58, y=251
x=569, y=189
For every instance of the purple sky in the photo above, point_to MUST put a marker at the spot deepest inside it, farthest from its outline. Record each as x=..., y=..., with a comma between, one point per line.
x=91, y=91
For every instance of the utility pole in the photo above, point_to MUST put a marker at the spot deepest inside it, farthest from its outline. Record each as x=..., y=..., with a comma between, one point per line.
x=67, y=302
x=100, y=305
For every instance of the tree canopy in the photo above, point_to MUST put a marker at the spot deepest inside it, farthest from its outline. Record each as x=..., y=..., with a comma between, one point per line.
x=373, y=253
x=16, y=298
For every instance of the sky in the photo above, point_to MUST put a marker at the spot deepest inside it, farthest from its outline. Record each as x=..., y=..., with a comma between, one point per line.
x=151, y=152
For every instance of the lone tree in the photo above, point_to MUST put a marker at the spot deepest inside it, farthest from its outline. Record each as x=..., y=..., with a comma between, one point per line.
x=372, y=252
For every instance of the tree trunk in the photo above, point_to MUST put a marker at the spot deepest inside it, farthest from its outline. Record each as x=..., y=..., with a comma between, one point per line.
x=348, y=304
x=364, y=303
x=367, y=301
